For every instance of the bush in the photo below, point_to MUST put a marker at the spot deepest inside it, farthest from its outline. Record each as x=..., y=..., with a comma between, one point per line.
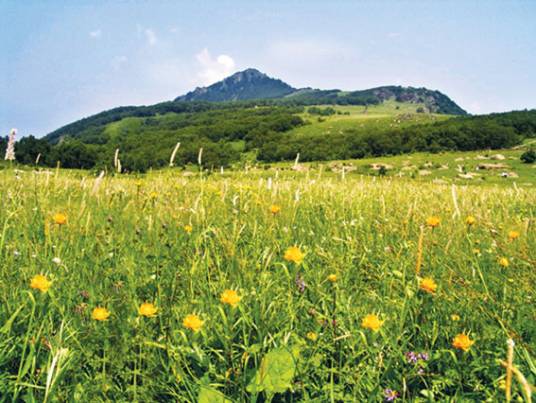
x=528, y=157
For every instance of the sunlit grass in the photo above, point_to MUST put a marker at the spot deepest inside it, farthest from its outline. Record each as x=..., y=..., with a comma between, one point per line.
x=251, y=285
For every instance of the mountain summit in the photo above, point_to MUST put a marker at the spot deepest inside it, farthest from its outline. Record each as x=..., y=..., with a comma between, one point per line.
x=251, y=84
x=247, y=84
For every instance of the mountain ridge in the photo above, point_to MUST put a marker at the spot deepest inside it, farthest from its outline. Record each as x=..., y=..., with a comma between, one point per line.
x=252, y=84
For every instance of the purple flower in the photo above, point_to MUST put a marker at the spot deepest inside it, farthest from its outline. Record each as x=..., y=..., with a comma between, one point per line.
x=390, y=394
x=423, y=356
x=412, y=357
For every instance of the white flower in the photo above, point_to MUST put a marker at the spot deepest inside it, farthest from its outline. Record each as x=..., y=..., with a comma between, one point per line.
x=56, y=260
x=16, y=253
x=10, y=149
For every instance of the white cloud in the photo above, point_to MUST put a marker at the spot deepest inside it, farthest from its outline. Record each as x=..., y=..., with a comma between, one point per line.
x=393, y=34
x=118, y=62
x=150, y=36
x=95, y=34
x=214, y=69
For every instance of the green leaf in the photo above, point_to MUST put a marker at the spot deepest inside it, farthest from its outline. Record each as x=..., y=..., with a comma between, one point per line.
x=210, y=395
x=275, y=373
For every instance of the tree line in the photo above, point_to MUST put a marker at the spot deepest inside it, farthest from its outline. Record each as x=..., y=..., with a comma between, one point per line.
x=146, y=137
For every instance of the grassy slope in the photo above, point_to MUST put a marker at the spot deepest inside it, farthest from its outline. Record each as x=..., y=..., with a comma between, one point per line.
x=384, y=116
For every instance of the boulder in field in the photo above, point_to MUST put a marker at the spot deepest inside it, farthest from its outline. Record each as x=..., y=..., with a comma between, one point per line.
x=378, y=165
x=492, y=166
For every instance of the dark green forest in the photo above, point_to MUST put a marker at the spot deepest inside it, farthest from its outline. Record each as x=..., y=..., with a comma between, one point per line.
x=146, y=136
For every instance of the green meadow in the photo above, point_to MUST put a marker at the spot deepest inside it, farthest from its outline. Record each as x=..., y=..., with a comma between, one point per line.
x=267, y=285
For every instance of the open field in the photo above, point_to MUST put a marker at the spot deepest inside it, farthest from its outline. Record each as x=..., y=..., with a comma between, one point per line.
x=268, y=322
x=464, y=168
x=389, y=114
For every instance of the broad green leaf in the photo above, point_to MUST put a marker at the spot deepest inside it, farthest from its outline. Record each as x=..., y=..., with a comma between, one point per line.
x=275, y=373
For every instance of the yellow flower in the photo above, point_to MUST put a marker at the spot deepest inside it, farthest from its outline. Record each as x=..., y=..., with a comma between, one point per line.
x=230, y=297
x=462, y=342
x=188, y=228
x=294, y=254
x=59, y=218
x=476, y=251
x=153, y=195
x=100, y=314
x=311, y=336
x=513, y=235
x=470, y=220
x=504, y=262
x=41, y=283
x=433, y=221
x=192, y=322
x=275, y=209
x=332, y=278
x=147, y=309
x=454, y=317
x=428, y=285
x=372, y=322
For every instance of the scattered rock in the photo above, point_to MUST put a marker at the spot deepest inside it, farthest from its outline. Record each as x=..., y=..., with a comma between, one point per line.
x=424, y=172
x=492, y=166
x=300, y=168
x=498, y=157
x=377, y=166
x=509, y=174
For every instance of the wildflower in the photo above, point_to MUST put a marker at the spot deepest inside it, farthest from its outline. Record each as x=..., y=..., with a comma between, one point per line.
x=504, y=262
x=193, y=322
x=476, y=251
x=454, y=317
x=10, y=149
x=153, y=195
x=428, y=285
x=332, y=278
x=433, y=221
x=312, y=336
x=56, y=260
x=470, y=220
x=390, y=394
x=59, y=218
x=294, y=254
x=230, y=297
x=188, y=228
x=100, y=314
x=40, y=282
x=147, y=309
x=275, y=209
x=372, y=322
x=462, y=342
x=513, y=235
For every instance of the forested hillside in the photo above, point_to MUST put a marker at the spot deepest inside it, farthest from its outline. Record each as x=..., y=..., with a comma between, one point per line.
x=230, y=132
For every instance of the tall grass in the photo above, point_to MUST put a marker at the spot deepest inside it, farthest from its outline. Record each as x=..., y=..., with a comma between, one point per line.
x=296, y=333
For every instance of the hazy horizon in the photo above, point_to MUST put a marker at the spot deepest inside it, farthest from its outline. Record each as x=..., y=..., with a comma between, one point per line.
x=62, y=62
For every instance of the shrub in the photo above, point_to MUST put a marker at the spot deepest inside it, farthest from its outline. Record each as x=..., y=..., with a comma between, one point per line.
x=528, y=157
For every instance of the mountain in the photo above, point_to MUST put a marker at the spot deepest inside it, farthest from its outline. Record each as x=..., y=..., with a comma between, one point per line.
x=251, y=84
x=244, y=85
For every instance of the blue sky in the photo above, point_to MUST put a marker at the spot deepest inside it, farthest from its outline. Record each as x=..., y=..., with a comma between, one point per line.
x=64, y=60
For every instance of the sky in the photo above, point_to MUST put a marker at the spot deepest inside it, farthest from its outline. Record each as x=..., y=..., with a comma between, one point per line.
x=64, y=60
